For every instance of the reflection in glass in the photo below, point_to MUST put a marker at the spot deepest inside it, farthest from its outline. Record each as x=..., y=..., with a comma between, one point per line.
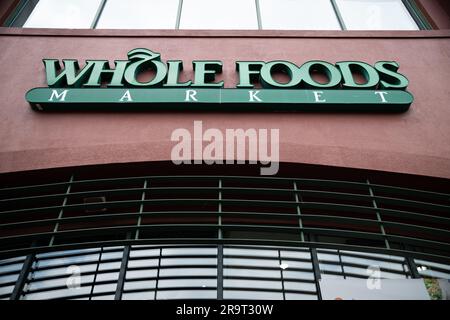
x=357, y=264
x=186, y=294
x=252, y=262
x=145, y=295
x=11, y=267
x=138, y=251
x=134, y=274
x=249, y=272
x=110, y=287
x=363, y=272
x=37, y=274
x=6, y=290
x=299, y=296
x=298, y=15
x=67, y=292
x=297, y=254
x=376, y=15
x=199, y=283
x=60, y=282
x=243, y=283
x=135, y=285
x=76, y=14
x=139, y=14
x=300, y=286
x=107, y=276
x=252, y=295
x=112, y=255
x=187, y=261
x=189, y=251
x=368, y=262
x=287, y=274
x=143, y=263
x=188, y=272
x=66, y=253
x=296, y=264
x=103, y=297
x=63, y=261
x=251, y=252
x=109, y=266
x=8, y=278
x=218, y=14
x=252, y=273
x=432, y=269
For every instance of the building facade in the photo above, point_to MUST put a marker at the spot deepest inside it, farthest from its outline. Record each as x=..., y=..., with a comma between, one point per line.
x=92, y=205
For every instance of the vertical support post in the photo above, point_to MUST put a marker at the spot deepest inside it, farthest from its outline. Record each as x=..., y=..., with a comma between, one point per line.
x=220, y=247
x=157, y=273
x=96, y=273
x=122, y=272
x=413, y=272
x=316, y=270
x=338, y=14
x=341, y=264
x=20, y=283
x=61, y=212
x=299, y=212
x=258, y=14
x=180, y=8
x=380, y=222
x=281, y=273
x=219, y=211
x=220, y=272
x=412, y=268
x=98, y=14
x=141, y=210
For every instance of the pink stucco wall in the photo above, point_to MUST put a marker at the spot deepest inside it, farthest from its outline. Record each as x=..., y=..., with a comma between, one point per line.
x=414, y=142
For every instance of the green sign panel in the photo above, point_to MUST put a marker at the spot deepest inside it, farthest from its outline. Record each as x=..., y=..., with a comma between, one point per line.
x=97, y=86
x=223, y=99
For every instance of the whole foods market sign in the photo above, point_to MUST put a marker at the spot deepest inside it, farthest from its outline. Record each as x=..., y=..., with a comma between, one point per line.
x=97, y=86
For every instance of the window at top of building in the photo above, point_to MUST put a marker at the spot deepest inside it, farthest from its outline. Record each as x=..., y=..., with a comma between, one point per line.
x=375, y=15
x=75, y=14
x=298, y=15
x=219, y=14
x=139, y=14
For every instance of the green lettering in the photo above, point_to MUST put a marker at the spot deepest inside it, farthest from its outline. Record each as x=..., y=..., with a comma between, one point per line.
x=349, y=67
x=101, y=72
x=289, y=68
x=71, y=75
x=390, y=78
x=205, y=73
x=249, y=71
x=333, y=74
x=174, y=68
